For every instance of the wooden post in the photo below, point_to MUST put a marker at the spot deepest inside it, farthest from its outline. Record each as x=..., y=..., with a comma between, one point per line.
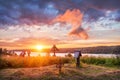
x=60, y=65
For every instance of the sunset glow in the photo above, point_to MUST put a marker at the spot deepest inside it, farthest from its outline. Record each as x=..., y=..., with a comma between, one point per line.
x=39, y=47
x=48, y=22
x=37, y=37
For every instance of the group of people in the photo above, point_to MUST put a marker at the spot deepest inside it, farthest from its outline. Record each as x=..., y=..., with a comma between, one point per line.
x=23, y=53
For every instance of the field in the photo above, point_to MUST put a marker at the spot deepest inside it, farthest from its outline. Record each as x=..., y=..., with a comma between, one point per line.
x=109, y=62
x=44, y=68
x=69, y=72
x=22, y=62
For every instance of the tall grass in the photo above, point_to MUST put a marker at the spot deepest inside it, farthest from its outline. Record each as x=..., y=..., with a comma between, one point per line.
x=19, y=62
x=16, y=62
x=101, y=61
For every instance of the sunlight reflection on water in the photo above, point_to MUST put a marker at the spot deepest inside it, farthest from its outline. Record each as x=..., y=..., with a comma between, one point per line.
x=63, y=54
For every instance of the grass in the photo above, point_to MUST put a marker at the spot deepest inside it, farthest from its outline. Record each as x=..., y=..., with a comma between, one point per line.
x=110, y=62
x=44, y=68
x=69, y=72
x=17, y=62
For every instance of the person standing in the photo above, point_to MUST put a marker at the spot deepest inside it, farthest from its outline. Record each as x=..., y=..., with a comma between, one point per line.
x=54, y=49
x=77, y=55
x=28, y=52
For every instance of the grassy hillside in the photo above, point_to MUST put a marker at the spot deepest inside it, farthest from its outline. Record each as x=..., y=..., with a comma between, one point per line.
x=69, y=72
x=22, y=62
x=44, y=68
x=110, y=62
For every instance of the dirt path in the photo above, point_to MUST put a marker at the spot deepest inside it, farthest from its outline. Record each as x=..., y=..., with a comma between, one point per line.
x=69, y=72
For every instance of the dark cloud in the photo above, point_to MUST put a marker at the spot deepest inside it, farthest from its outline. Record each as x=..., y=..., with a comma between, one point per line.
x=31, y=12
x=80, y=32
x=117, y=16
x=103, y=4
x=95, y=9
x=93, y=14
x=17, y=12
x=36, y=12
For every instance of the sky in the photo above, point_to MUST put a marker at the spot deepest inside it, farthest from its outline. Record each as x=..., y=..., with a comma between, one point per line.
x=66, y=23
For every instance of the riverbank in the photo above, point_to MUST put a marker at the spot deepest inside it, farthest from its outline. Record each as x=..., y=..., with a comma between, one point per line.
x=69, y=72
x=39, y=61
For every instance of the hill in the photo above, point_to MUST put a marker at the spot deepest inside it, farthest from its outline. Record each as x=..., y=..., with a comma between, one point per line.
x=69, y=72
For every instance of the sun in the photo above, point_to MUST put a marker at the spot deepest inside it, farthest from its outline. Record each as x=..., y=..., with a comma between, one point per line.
x=39, y=47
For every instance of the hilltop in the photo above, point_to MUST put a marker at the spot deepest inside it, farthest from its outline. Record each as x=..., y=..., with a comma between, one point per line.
x=69, y=72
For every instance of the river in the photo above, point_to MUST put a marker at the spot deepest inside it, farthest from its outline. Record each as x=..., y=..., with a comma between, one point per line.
x=63, y=54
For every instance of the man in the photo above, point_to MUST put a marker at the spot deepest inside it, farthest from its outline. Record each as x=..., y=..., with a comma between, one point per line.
x=77, y=55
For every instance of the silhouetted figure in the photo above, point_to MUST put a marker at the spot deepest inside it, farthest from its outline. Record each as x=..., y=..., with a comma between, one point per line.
x=48, y=53
x=4, y=51
x=22, y=54
x=28, y=52
x=54, y=49
x=77, y=55
x=14, y=54
x=0, y=51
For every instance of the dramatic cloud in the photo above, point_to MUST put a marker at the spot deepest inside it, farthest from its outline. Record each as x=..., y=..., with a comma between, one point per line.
x=18, y=12
x=103, y=4
x=92, y=14
x=73, y=17
x=34, y=18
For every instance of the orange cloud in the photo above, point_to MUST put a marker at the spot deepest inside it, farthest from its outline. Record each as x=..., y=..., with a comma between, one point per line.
x=29, y=42
x=73, y=17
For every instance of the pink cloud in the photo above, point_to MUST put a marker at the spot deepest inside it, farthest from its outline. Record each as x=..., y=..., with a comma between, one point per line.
x=73, y=17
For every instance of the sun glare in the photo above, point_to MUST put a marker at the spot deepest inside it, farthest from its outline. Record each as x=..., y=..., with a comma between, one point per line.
x=39, y=47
